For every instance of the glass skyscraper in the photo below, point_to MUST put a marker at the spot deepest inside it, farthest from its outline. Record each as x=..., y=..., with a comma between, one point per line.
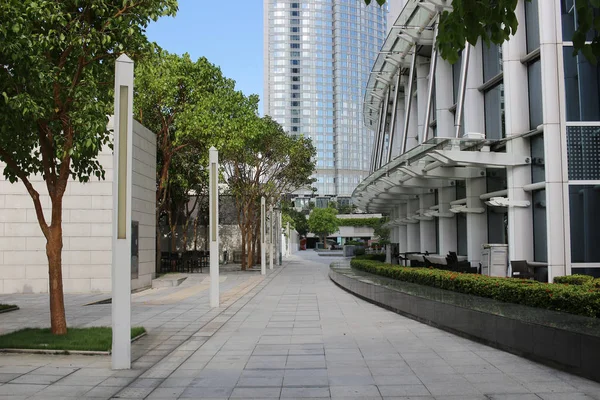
x=318, y=56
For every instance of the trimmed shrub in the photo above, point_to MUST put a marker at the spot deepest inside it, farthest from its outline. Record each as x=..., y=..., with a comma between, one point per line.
x=359, y=251
x=373, y=257
x=574, y=279
x=574, y=299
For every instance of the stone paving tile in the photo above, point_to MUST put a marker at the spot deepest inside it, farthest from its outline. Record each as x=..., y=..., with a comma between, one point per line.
x=293, y=335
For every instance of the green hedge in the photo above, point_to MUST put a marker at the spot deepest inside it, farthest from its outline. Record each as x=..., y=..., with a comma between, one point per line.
x=580, y=280
x=373, y=257
x=359, y=251
x=369, y=222
x=580, y=300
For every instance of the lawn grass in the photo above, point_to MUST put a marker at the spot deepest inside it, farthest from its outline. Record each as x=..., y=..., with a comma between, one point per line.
x=79, y=339
x=6, y=306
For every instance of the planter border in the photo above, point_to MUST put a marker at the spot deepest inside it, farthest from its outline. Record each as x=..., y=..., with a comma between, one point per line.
x=15, y=308
x=570, y=351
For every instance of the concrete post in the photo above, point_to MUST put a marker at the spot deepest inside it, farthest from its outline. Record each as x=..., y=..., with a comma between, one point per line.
x=213, y=214
x=427, y=228
x=447, y=225
x=476, y=223
x=122, y=190
x=263, y=236
x=271, y=237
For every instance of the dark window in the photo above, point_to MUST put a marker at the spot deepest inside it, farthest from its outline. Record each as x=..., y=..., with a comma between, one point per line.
x=582, y=86
x=494, y=112
x=295, y=103
x=497, y=219
x=294, y=45
x=294, y=37
x=295, y=79
x=456, y=77
x=584, y=210
x=461, y=234
x=569, y=21
x=295, y=70
x=295, y=95
x=495, y=179
x=540, y=232
x=294, y=13
x=534, y=75
x=295, y=120
x=532, y=25
x=295, y=87
x=294, y=29
x=595, y=272
x=538, y=169
x=295, y=62
x=295, y=5
x=492, y=61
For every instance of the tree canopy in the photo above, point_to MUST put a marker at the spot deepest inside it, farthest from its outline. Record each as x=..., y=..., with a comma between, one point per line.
x=323, y=222
x=56, y=80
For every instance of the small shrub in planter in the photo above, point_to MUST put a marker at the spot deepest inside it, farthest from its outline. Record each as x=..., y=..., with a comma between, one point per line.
x=373, y=257
x=359, y=251
x=574, y=299
x=574, y=279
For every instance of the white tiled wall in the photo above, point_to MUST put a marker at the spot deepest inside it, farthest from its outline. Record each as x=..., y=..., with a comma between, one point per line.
x=87, y=228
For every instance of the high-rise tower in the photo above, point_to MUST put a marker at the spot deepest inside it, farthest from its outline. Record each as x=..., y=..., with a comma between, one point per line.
x=318, y=56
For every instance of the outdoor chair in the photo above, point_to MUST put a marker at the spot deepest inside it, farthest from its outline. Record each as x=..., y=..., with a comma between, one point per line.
x=521, y=270
x=458, y=266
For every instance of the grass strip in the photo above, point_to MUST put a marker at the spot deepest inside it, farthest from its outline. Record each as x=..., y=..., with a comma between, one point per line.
x=80, y=339
x=6, y=306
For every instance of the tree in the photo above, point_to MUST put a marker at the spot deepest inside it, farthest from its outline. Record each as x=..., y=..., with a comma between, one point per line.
x=323, y=222
x=56, y=79
x=191, y=106
x=382, y=232
x=296, y=218
x=264, y=162
x=494, y=21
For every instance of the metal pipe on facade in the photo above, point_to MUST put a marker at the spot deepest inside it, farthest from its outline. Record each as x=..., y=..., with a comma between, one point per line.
x=432, y=67
x=393, y=120
x=409, y=102
x=463, y=85
x=383, y=123
x=376, y=141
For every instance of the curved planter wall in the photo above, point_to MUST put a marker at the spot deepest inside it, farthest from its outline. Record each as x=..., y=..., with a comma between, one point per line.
x=573, y=350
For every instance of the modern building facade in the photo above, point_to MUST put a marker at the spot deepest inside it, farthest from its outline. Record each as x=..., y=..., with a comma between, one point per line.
x=317, y=59
x=500, y=148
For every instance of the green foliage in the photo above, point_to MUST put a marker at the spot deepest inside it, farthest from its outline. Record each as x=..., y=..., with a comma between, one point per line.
x=574, y=299
x=82, y=339
x=7, y=306
x=368, y=222
x=57, y=79
x=359, y=251
x=495, y=21
x=372, y=257
x=354, y=243
x=323, y=221
x=297, y=220
x=580, y=280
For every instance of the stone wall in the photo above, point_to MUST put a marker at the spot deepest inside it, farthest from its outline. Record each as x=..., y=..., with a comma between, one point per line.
x=87, y=227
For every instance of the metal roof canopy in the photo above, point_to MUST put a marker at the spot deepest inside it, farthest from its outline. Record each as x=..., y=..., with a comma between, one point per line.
x=412, y=27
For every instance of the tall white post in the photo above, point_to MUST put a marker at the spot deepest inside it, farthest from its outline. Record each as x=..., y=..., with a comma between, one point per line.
x=271, y=237
x=263, y=236
x=288, y=241
x=213, y=214
x=279, y=239
x=121, y=242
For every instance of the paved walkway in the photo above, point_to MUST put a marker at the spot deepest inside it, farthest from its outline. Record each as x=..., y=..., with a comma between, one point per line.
x=292, y=334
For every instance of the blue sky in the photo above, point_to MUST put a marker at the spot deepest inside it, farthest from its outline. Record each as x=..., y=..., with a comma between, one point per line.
x=228, y=33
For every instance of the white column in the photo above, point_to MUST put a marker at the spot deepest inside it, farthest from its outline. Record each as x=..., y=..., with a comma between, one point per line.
x=271, y=237
x=400, y=117
x=427, y=228
x=213, y=216
x=447, y=226
x=263, y=237
x=402, y=231
x=516, y=106
x=555, y=142
x=413, y=236
x=288, y=249
x=422, y=87
x=122, y=194
x=476, y=223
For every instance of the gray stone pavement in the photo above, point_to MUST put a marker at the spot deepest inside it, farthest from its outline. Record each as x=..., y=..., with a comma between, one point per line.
x=293, y=334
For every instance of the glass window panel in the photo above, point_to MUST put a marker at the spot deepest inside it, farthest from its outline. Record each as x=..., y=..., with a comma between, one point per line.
x=584, y=211
x=495, y=179
x=534, y=75
x=583, y=152
x=532, y=25
x=540, y=232
x=569, y=21
x=582, y=87
x=494, y=112
x=538, y=169
x=461, y=234
x=492, y=61
x=456, y=77
x=497, y=218
x=595, y=272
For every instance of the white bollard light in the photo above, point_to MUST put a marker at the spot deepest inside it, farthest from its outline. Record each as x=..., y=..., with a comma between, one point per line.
x=263, y=250
x=213, y=200
x=121, y=240
x=271, y=238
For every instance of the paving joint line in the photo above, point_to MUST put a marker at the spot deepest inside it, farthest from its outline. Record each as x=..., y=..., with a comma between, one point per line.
x=258, y=287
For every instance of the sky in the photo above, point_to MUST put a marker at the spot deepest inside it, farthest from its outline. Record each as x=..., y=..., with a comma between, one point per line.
x=228, y=33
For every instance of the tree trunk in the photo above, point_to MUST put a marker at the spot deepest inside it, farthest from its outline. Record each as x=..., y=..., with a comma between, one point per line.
x=243, y=247
x=158, y=244
x=54, y=245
